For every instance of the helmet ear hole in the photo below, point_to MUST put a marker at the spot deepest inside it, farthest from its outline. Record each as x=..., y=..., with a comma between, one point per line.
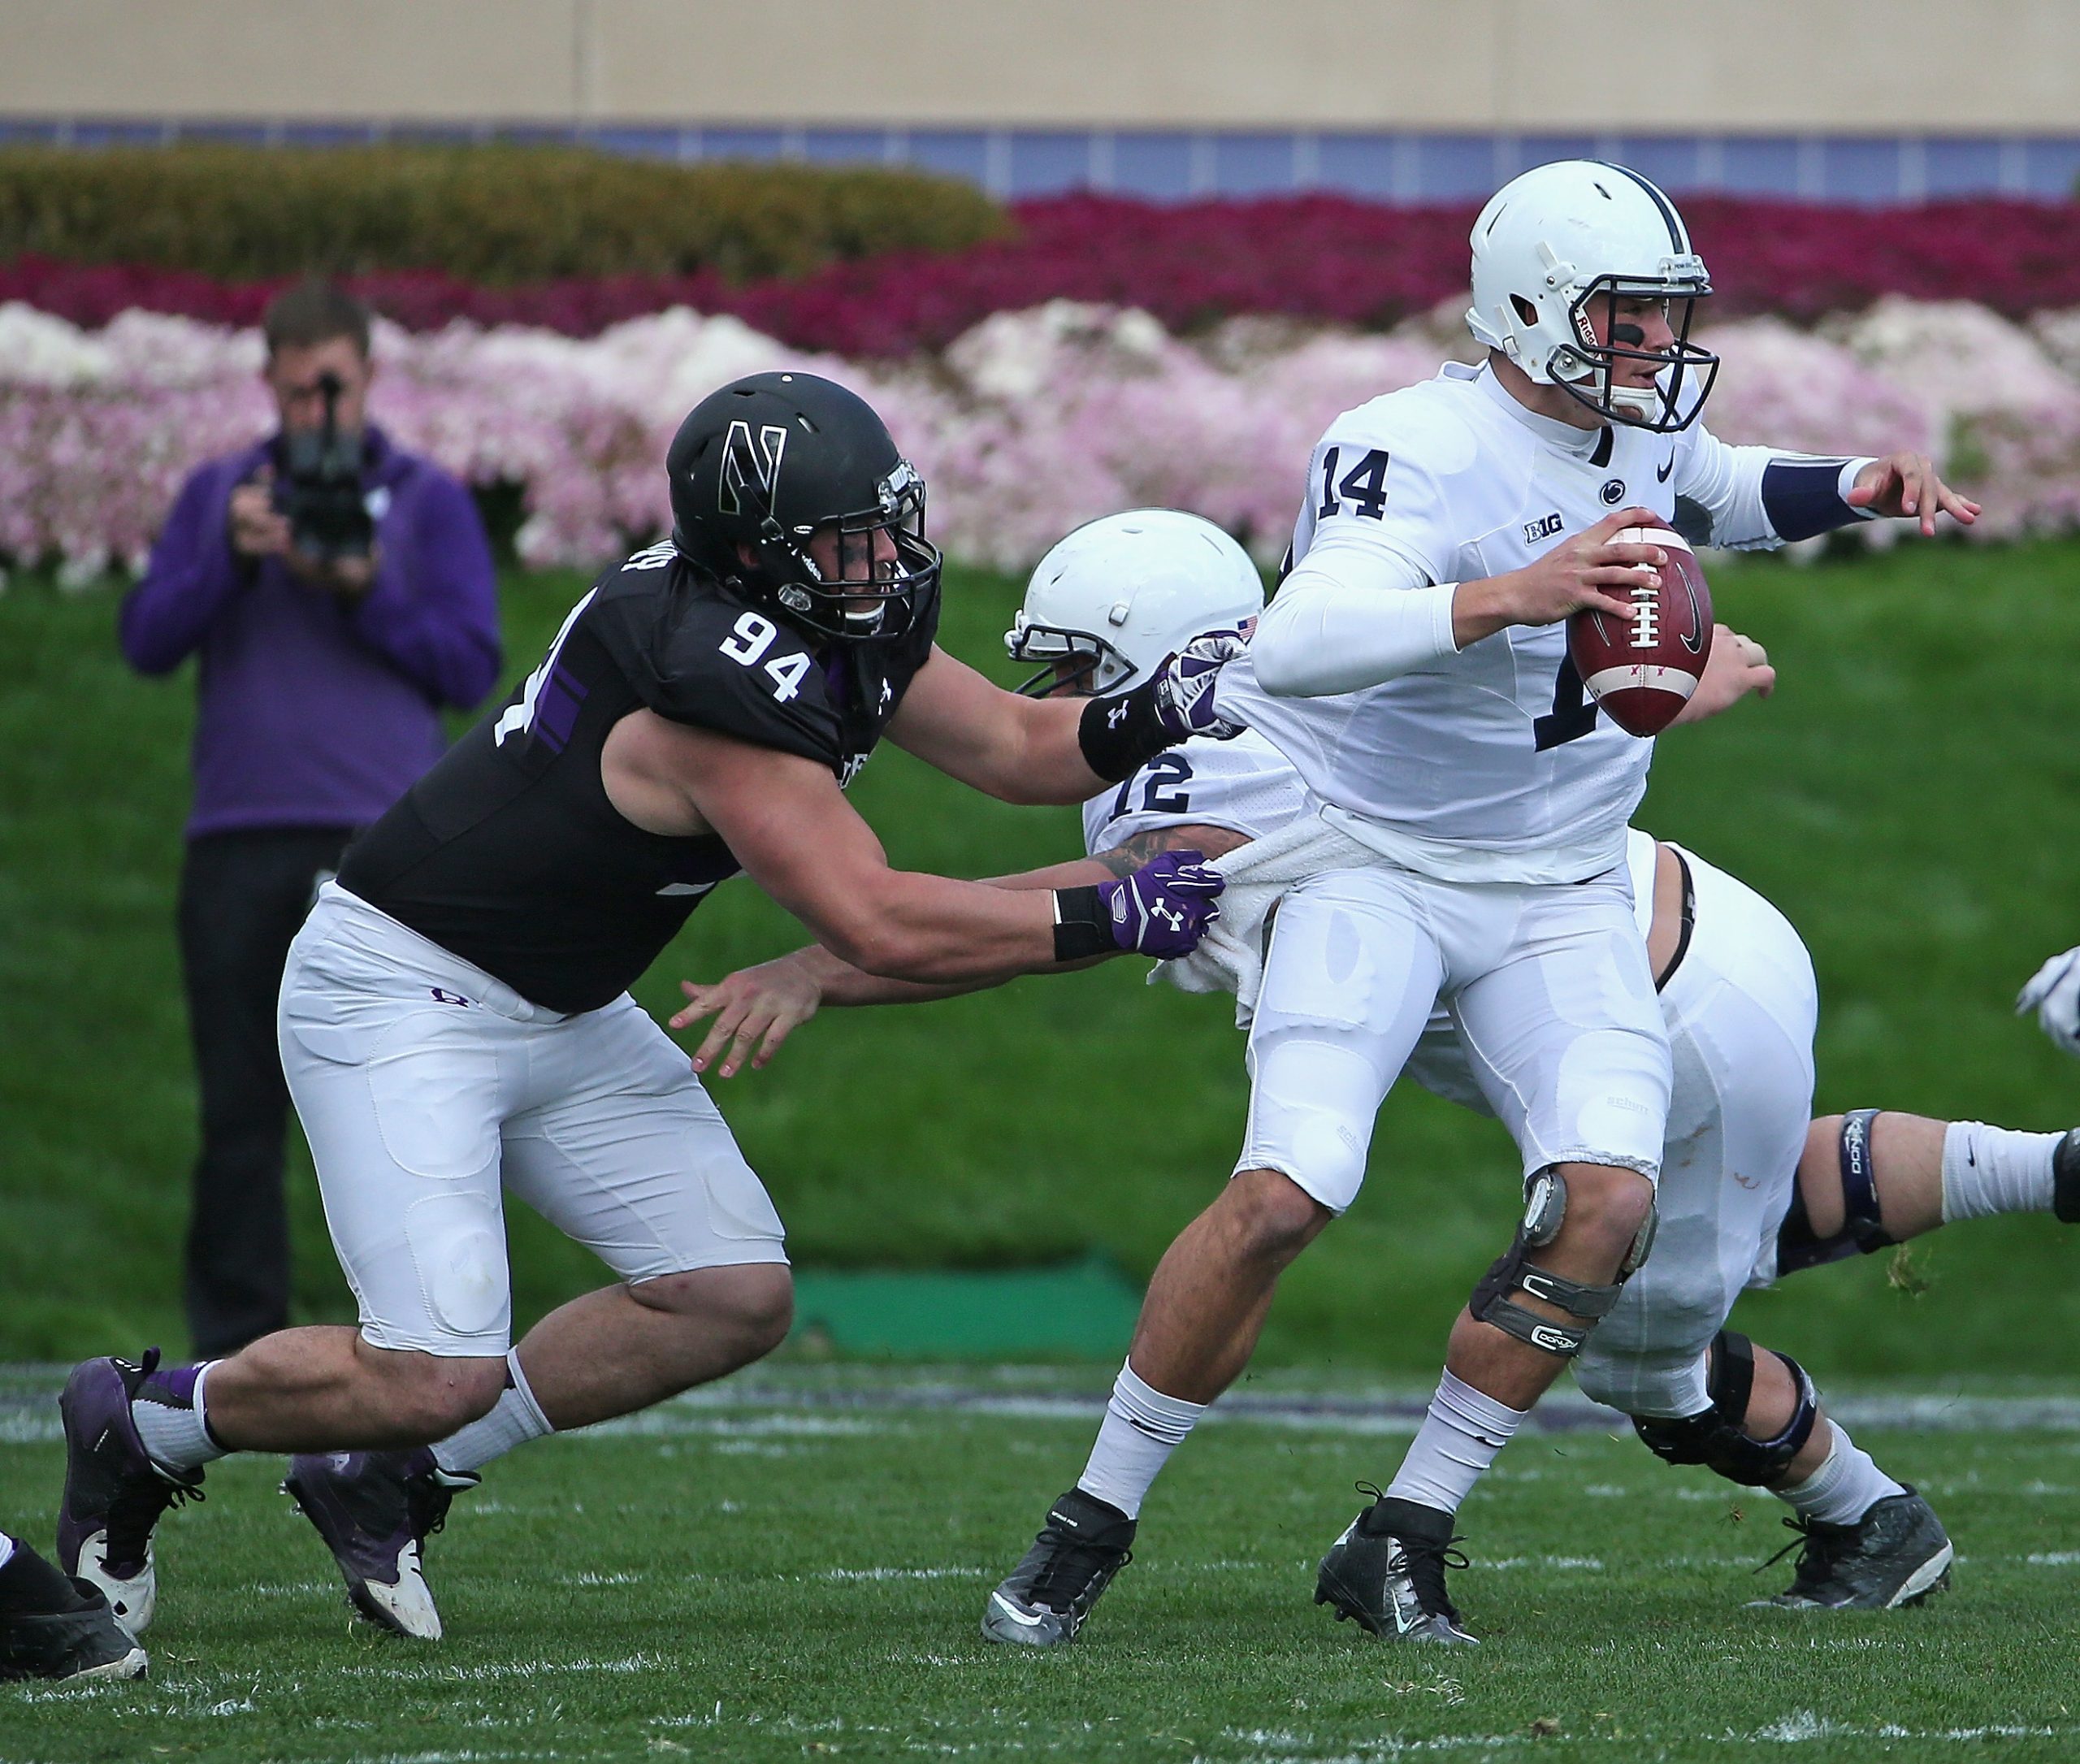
x=1527, y=312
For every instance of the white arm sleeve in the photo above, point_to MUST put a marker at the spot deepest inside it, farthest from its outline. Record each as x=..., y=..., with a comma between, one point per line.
x=1726, y=483
x=1359, y=607
x=1350, y=617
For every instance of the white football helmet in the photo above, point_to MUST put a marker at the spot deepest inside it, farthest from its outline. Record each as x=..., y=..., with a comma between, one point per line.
x=1122, y=593
x=1550, y=241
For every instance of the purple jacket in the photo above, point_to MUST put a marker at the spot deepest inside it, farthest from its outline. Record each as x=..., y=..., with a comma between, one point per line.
x=311, y=712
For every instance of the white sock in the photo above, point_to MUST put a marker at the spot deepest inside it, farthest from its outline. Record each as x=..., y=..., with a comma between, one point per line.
x=1456, y=1444
x=7, y=1549
x=1844, y=1487
x=168, y=1410
x=1989, y=1170
x=514, y=1419
x=1141, y=1428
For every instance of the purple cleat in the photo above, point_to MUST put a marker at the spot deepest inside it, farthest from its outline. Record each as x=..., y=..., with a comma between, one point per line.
x=114, y=1491
x=375, y=1511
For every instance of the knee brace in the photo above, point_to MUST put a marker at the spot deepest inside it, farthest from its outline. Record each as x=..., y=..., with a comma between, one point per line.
x=1800, y=1246
x=1716, y=1437
x=1545, y=1206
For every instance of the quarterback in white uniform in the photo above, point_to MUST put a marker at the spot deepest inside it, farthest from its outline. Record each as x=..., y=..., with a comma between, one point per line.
x=1749, y=1187
x=1474, y=809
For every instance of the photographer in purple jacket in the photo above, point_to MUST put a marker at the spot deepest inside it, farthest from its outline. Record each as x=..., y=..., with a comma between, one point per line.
x=338, y=592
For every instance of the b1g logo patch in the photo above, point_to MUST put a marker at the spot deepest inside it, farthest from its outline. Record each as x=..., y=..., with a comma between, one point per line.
x=1613, y=492
x=744, y=464
x=1545, y=527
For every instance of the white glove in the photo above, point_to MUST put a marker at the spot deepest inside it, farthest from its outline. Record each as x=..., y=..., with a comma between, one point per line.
x=2053, y=993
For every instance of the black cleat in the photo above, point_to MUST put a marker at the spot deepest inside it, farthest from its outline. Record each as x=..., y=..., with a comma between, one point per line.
x=1083, y=1544
x=1896, y=1554
x=375, y=1511
x=1386, y=1572
x=52, y=1627
x=2065, y=1179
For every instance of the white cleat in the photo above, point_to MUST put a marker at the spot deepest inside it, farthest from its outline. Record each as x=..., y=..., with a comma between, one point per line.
x=132, y=1601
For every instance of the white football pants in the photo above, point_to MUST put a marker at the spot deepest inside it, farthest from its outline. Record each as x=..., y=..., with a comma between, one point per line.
x=1548, y=987
x=1741, y=1007
x=424, y=1084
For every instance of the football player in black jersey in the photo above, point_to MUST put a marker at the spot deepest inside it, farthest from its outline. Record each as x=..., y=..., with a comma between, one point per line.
x=455, y=1018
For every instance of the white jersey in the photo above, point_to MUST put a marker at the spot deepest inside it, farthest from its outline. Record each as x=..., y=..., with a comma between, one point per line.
x=1490, y=763
x=1246, y=785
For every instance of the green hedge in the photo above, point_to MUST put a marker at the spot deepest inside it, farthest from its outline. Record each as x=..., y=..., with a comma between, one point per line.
x=494, y=213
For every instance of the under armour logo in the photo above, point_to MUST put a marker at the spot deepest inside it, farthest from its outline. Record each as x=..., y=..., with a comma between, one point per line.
x=887, y=691
x=1116, y=716
x=743, y=465
x=448, y=998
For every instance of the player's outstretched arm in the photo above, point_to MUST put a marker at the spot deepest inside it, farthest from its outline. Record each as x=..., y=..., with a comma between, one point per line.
x=1736, y=666
x=788, y=823
x=755, y=1009
x=1059, y=750
x=1907, y=487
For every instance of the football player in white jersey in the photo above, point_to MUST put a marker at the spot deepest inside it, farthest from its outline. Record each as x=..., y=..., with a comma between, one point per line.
x=1474, y=809
x=1748, y=1189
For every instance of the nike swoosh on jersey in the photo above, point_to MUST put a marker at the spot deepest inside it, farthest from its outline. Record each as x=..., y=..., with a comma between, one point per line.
x=1662, y=471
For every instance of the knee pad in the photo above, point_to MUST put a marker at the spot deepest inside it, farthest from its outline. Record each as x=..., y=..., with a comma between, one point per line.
x=1716, y=1437
x=1800, y=1246
x=1546, y=1206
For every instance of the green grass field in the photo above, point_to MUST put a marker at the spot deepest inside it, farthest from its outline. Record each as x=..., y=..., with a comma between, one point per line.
x=1909, y=798
x=805, y=1581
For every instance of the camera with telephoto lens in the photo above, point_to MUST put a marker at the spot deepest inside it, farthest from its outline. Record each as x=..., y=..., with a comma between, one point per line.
x=319, y=489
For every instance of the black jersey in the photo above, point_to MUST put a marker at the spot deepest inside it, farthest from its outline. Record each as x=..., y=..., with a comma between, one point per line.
x=509, y=853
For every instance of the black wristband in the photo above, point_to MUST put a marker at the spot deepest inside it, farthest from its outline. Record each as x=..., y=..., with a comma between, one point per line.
x=1079, y=931
x=1119, y=735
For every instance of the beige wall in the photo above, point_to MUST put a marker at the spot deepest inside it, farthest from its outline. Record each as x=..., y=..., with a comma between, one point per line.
x=1685, y=66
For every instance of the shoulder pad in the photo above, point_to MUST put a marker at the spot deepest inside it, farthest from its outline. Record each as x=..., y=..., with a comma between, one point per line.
x=694, y=654
x=1424, y=428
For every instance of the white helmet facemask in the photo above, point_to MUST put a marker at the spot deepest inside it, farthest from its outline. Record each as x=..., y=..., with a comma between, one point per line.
x=1119, y=595
x=1557, y=248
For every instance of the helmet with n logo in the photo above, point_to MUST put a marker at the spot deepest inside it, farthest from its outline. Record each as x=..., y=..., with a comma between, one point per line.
x=791, y=488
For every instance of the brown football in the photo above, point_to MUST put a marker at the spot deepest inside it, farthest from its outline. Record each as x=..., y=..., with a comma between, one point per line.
x=1643, y=670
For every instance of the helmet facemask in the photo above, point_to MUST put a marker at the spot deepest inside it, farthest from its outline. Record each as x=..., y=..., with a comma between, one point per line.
x=1586, y=370
x=881, y=568
x=1100, y=666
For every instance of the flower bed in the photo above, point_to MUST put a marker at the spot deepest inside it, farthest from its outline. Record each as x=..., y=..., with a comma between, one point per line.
x=1029, y=423
x=1328, y=259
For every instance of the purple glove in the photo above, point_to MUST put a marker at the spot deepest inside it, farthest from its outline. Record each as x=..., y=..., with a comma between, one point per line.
x=1184, y=683
x=1162, y=908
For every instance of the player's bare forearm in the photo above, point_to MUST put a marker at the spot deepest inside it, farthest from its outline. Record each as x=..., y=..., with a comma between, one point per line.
x=840, y=983
x=774, y=998
x=1019, y=750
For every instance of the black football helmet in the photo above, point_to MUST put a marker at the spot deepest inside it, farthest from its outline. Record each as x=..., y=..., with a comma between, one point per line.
x=801, y=474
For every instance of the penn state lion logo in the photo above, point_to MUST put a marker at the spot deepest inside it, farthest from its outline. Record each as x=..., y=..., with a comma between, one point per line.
x=744, y=464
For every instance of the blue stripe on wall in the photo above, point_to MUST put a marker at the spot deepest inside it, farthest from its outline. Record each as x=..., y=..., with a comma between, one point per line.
x=1176, y=165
